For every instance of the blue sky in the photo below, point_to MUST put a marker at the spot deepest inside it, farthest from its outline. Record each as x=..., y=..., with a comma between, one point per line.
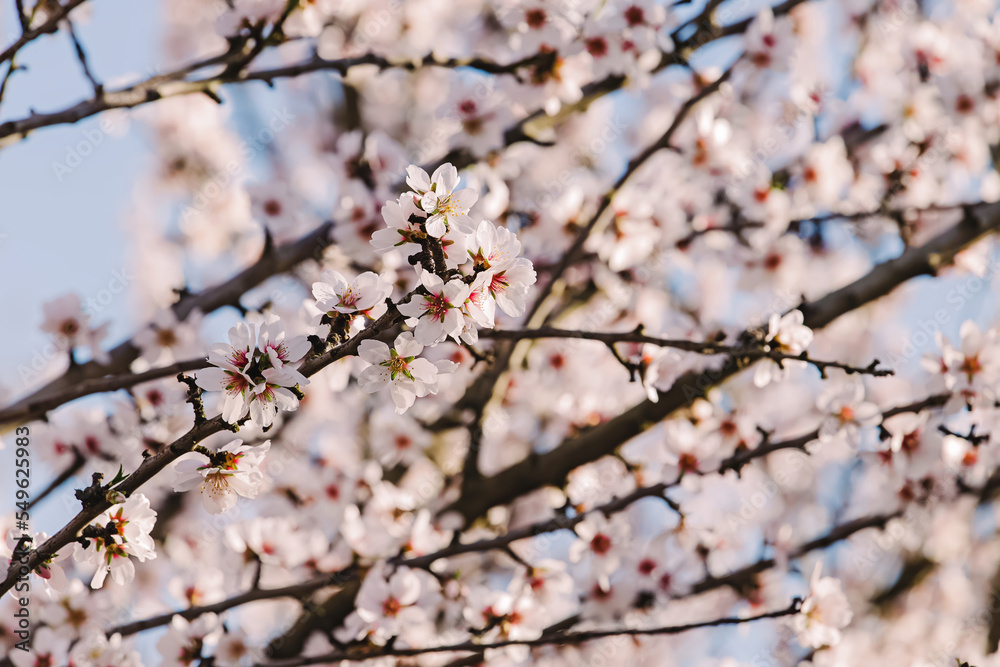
x=64, y=231
x=65, y=234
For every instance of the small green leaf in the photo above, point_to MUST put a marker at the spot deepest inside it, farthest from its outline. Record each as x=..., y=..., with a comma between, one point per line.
x=119, y=477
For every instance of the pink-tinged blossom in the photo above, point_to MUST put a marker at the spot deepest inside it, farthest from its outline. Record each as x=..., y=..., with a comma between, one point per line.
x=399, y=369
x=769, y=42
x=366, y=294
x=510, y=286
x=437, y=314
x=786, y=334
x=66, y=320
x=502, y=615
x=234, y=649
x=905, y=430
x=971, y=371
x=72, y=610
x=687, y=452
x=846, y=412
x=400, y=230
x=278, y=209
x=236, y=473
x=168, y=340
x=824, y=613
x=445, y=207
x=271, y=540
x=95, y=649
x=482, y=122
x=185, y=641
x=826, y=173
x=602, y=543
x=479, y=308
x=494, y=247
x=270, y=395
x=255, y=370
x=282, y=353
x=130, y=524
x=50, y=572
x=232, y=362
x=393, y=605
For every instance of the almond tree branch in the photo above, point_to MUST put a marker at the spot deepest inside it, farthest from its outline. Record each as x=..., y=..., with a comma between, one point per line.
x=742, y=579
x=482, y=389
x=98, y=385
x=346, y=577
x=293, y=591
x=186, y=443
x=81, y=55
x=551, y=468
x=747, y=352
x=739, y=225
x=272, y=262
x=292, y=641
x=737, y=461
x=173, y=84
x=50, y=25
x=738, y=578
x=362, y=654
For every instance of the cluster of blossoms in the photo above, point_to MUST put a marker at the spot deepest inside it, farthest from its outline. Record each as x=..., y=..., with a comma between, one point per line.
x=234, y=470
x=465, y=272
x=119, y=533
x=256, y=370
x=636, y=505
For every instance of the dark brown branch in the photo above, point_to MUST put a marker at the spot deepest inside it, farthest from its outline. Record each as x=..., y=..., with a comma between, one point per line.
x=38, y=409
x=540, y=470
x=50, y=25
x=81, y=55
x=294, y=591
x=741, y=458
x=173, y=84
x=747, y=352
x=560, y=639
x=94, y=504
x=744, y=579
x=276, y=261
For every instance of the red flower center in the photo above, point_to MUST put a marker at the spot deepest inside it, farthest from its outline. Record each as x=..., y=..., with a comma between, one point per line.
x=601, y=544
x=535, y=18
x=635, y=16
x=272, y=207
x=391, y=607
x=597, y=46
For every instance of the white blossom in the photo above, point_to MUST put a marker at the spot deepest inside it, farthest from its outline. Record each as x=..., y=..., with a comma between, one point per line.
x=445, y=207
x=236, y=472
x=366, y=294
x=399, y=369
x=130, y=524
x=824, y=613
x=437, y=314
